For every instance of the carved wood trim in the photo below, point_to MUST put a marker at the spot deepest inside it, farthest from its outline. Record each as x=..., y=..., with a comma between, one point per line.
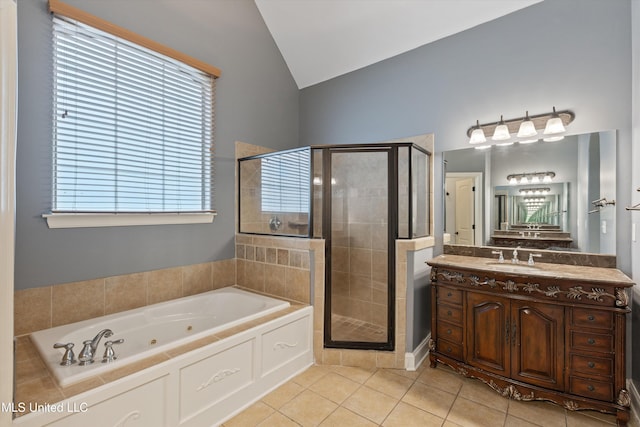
x=596, y=294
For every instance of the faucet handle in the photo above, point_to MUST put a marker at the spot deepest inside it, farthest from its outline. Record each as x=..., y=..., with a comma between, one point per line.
x=68, y=358
x=501, y=256
x=109, y=354
x=531, y=262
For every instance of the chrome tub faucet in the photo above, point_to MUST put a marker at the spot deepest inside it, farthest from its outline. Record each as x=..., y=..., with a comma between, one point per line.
x=90, y=346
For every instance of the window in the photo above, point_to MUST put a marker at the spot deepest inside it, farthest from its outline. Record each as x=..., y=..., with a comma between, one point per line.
x=133, y=128
x=285, y=182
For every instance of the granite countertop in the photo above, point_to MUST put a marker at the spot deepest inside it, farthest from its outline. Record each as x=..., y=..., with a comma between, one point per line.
x=540, y=269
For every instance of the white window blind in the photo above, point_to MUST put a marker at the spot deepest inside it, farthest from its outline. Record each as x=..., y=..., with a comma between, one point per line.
x=285, y=182
x=133, y=128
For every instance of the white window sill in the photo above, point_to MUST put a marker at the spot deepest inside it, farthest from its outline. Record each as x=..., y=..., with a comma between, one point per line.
x=81, y=220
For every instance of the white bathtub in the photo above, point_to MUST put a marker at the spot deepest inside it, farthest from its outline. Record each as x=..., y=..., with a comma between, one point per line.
x=152, y=329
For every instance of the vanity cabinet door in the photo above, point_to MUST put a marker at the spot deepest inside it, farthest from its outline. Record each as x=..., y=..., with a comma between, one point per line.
x=537, y=344
x=488, y=333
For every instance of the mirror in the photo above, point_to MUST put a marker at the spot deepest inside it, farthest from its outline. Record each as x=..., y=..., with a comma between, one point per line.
x=559, y=205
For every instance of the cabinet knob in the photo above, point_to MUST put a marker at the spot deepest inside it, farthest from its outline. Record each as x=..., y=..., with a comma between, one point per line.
x=449, y=331
x=448, y=349
x=449, y=294
x=591, y=341
x=590, y=387
x=591, y=365
x=449, y=313
x=591, y=318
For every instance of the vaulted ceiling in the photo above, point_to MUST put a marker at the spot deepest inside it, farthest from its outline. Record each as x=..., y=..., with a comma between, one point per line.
x=323, y=39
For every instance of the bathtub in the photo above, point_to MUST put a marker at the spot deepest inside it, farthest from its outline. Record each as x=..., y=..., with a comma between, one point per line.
x=152, y=329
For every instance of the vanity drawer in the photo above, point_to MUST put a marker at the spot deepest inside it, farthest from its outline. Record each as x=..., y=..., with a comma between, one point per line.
x=450, y=349
x=449, y=313
x=590, y=318
x=449, y=295
x=590, y=365
x=591, y=388
x=588, y=341
x=450, y=332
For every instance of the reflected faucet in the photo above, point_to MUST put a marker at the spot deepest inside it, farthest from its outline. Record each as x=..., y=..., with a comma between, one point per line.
x=515, y=260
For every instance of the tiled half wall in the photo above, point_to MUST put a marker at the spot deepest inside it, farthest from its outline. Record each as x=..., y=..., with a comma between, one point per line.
x=49, y=306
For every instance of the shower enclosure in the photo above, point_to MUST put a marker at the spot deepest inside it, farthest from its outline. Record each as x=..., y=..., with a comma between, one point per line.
x=360, y=199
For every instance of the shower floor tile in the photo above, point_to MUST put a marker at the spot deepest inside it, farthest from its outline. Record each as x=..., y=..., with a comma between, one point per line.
x=345, y=328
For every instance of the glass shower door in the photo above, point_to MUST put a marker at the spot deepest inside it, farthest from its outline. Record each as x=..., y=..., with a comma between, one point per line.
x=359, y=218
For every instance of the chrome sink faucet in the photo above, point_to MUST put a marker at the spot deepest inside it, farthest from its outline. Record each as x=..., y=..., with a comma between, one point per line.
x=90, y=346
x=515, y=259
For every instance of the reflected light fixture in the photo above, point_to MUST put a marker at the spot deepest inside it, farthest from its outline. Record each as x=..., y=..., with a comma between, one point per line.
x=531, y=177
x=477, y=136
x=501, y=132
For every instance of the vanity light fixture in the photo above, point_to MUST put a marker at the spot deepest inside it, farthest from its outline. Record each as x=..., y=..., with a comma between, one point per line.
x=477, y=136
x=531, y=177
x=524, y=129
x=501, y=132
x=554, y=127
x=527, y=128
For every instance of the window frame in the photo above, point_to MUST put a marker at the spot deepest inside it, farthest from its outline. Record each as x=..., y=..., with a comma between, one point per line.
x=108, y=219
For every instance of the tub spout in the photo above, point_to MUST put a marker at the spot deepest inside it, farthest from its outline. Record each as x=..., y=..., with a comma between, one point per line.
x=96, y=340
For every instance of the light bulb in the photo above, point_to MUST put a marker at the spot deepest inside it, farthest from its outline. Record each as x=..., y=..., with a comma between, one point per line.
x=513, y=180
x=547, y=178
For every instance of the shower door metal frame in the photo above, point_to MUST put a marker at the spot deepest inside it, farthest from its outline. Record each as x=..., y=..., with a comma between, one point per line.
x=392, y=235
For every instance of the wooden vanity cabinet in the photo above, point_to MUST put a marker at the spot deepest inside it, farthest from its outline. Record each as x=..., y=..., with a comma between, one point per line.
x=518, y=339
x=533, y=338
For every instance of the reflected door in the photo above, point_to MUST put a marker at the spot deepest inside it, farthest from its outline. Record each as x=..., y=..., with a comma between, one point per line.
x=359, y=259
x=464, y=212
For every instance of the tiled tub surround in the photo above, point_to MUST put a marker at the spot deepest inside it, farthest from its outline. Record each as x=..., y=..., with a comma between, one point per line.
x=49, y=306
x=134, y=393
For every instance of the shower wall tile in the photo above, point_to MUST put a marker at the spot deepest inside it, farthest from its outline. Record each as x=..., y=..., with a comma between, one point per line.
x=125, y=292
x=73, y=302
x=275, y=276
x=32, y=310
x=279, y=266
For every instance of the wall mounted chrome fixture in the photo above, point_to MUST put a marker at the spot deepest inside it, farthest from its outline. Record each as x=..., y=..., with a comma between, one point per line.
x=531, y=177
x=527, y=129
x=601, y=203
x=635, y=207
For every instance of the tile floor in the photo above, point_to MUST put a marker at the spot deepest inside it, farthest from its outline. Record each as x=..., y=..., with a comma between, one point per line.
x=346, y=396
x=349, y=329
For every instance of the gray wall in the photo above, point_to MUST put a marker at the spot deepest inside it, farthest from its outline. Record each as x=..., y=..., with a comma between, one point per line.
x=257, y=102
x=574, y=54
